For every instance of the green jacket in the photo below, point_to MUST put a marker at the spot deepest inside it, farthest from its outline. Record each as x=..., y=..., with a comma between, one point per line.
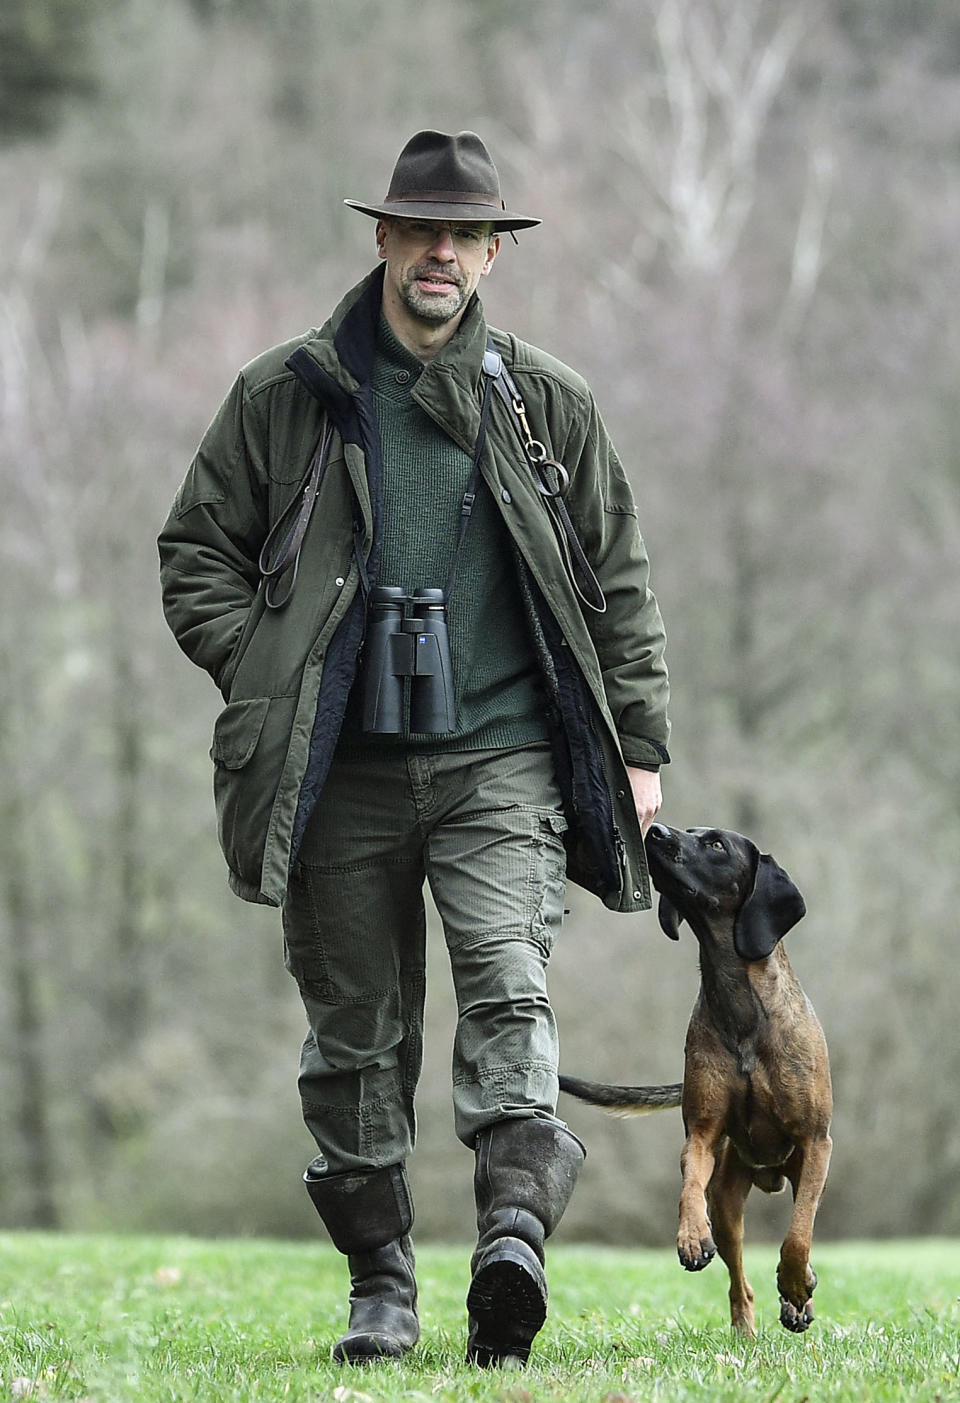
x=285, y=674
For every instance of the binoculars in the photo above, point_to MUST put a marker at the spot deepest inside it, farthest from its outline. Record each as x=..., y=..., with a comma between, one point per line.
x=407, y=642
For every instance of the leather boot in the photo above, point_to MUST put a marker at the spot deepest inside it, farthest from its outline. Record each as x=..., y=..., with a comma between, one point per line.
x=369, y=1216
x=525, y=1174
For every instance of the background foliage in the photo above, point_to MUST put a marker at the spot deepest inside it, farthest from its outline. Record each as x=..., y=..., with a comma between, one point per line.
x=750, y=247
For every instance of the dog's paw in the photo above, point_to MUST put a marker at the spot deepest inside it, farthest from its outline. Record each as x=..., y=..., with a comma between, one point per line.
x=796, y=1307
x=695, y=1253
x=793, y=1319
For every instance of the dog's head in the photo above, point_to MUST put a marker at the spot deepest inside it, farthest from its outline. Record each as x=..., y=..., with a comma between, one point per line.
x=709, y=875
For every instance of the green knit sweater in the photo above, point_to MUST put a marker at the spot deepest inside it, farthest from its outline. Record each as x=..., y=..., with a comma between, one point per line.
x=425, y=474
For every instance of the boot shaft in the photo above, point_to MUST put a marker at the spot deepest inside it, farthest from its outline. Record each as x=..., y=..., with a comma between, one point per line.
x=363, y=1211
x=525, y=1174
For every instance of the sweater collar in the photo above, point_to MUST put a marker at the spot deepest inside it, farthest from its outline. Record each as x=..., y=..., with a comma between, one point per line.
x=394, y=365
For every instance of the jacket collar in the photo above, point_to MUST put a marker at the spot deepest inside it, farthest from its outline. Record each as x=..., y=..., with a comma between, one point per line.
x=345, y=346
x=448, y=390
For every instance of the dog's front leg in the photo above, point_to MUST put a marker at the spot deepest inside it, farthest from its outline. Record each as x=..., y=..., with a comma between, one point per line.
x=695, y=1245
x=796, y=1279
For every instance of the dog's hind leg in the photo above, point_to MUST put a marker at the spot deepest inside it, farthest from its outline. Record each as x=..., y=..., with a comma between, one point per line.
x=807, y=1171
x=726, y=1197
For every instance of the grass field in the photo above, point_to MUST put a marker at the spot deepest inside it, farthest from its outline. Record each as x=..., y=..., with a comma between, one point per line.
x=134, y=1318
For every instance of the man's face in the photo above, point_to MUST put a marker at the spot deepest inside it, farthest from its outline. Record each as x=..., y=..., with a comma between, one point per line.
x=433, y=267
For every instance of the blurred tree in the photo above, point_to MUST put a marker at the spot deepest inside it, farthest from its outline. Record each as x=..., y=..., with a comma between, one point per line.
x=28, y=1125
x=25, y=482
x=46, y=59
x=875, y=23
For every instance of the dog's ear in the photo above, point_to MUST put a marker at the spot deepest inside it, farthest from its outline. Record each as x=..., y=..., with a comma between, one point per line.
x=773, y=907
x=670, y=918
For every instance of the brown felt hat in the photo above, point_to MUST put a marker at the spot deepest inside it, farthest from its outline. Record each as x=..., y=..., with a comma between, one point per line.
x=446, y=177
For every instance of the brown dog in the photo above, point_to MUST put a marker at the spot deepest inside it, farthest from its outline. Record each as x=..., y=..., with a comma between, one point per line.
x=756, y=1092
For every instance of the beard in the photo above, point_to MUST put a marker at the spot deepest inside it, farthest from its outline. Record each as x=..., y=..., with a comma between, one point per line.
x=434, y=307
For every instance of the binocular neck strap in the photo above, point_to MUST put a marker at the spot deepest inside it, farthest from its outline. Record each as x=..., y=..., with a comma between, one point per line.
x=492, y=366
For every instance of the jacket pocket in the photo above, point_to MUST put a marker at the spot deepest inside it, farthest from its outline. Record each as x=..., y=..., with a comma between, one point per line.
x=236, y=734
x=250, y=742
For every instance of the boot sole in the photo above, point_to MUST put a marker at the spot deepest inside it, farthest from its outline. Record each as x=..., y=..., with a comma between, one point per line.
x=507, y=1305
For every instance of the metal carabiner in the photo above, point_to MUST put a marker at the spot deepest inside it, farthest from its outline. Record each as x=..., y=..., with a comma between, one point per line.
x=520, y=410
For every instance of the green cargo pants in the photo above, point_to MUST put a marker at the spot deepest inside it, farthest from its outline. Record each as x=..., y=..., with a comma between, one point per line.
x=485, y=829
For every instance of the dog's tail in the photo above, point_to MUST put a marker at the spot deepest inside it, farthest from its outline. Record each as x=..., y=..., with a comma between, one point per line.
x=624, y=1100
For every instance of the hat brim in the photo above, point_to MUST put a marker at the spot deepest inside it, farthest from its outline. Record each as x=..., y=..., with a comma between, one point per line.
x=501, y=220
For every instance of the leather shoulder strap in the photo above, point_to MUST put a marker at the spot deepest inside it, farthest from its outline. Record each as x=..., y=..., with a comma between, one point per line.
x=280, y=556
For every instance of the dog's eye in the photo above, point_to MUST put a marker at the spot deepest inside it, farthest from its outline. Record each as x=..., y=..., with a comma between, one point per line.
x=718, y=846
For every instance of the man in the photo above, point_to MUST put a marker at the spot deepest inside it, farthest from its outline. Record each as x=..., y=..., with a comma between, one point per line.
x=409, y=557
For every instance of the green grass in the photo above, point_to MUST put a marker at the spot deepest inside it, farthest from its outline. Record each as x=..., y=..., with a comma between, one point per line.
x=133, y=1318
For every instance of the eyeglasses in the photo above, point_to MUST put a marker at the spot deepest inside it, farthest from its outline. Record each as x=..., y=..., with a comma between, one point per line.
x=464, y=236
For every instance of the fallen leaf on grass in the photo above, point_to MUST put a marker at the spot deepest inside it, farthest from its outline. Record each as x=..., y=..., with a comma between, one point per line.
x=730, y=1359
x=28, y=1388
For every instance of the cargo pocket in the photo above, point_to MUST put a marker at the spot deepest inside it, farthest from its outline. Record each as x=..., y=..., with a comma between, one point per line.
x=548, y=878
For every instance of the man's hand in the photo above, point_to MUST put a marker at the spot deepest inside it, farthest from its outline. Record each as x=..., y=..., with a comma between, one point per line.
x=647, y=795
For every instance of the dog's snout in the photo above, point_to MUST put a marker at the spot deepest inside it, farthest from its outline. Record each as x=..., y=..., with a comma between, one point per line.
x=663, y=843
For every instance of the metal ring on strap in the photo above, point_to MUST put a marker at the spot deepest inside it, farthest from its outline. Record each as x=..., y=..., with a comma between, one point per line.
x=544, y=485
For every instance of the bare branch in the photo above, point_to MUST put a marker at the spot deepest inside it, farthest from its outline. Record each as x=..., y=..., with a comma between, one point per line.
x=154, y=252
x=807, y=261
x=720, y=73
